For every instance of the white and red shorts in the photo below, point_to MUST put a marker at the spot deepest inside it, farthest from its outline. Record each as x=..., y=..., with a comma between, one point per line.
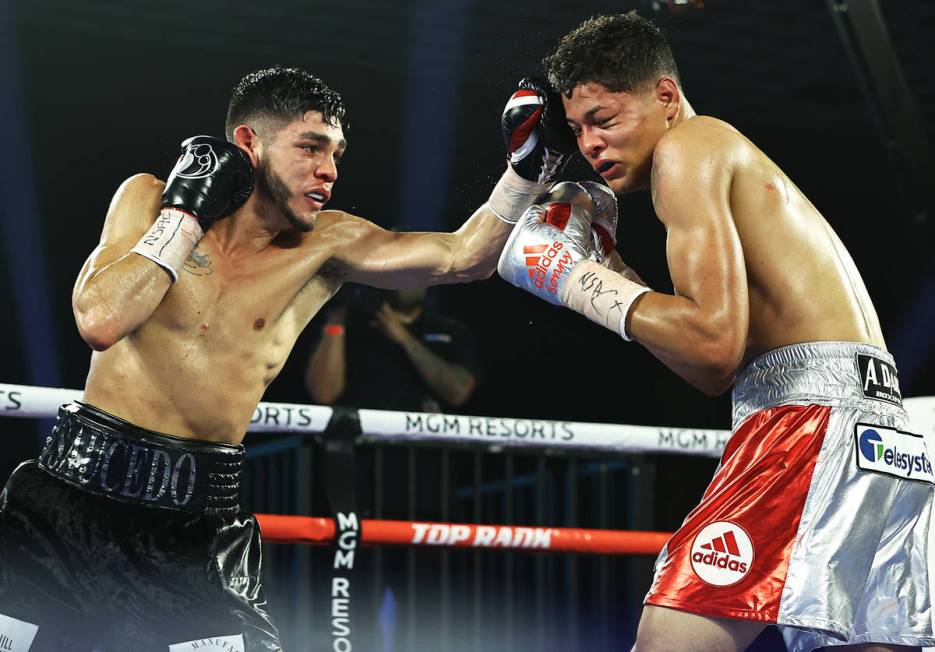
x=817, y=519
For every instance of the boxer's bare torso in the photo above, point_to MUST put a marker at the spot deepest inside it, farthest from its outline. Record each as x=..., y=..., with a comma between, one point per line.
x=199, y=364
x=751, y=251
x=754, y=265
x=802, y=284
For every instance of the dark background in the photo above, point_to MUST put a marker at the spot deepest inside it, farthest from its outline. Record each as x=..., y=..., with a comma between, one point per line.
x=95, y=91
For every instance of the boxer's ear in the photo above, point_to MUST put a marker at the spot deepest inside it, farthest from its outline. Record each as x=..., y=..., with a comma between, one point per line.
x=669, y=95
x=247, y=139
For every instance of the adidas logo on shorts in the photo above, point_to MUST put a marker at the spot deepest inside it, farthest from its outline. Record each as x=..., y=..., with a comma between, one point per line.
x=722, y=553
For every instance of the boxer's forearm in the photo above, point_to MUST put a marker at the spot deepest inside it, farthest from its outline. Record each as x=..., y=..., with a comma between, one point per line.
x=695, y=344
x=478, y=244
x=397, y=260
x=118, y=299
x=702, y=348
x=601, y=294
x=450, y=382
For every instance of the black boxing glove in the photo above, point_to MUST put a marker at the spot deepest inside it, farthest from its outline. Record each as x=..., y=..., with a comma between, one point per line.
x=539, y=144
x=211, y=179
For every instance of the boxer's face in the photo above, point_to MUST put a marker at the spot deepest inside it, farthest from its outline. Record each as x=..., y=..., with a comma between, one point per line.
x=298, y=168
x=617, y=132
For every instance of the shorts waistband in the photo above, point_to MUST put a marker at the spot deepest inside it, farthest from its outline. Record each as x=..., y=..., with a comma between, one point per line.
x=106, y=455
x=828, y=373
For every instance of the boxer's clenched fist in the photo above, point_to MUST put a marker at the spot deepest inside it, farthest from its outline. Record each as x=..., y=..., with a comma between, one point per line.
x=538, y=140
x=211, y=179
x=539, y=143
x=604, y=220
x=548, y=241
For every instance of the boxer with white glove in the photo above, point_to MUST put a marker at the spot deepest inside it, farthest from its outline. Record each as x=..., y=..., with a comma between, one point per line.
x=552, y=254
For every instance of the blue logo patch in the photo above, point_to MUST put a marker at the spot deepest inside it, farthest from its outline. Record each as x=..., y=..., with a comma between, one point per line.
x=893, y=452
x=871, y=446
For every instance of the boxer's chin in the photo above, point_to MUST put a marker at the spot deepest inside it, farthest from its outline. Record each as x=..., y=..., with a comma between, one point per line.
x=299, y=220
x=621, y=185
x=631, y=181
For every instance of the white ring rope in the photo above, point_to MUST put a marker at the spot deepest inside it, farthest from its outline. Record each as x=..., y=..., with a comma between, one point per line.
x=385, y=425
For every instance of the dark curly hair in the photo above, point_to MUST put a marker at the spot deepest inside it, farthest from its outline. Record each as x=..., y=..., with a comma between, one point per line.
x=621, y=52
x=285, y=94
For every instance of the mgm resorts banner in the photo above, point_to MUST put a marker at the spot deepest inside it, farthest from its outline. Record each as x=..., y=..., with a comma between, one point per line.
x=381, y=425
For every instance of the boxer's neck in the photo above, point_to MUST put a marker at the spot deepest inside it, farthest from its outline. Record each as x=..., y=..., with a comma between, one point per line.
x=243, y=232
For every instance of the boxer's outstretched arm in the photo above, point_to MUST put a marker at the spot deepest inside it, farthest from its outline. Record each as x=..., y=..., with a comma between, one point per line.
x=700, y=332
x=117, y=291
x=395, y=260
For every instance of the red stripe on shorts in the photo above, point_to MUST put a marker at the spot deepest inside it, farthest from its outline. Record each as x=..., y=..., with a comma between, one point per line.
x=759, y=491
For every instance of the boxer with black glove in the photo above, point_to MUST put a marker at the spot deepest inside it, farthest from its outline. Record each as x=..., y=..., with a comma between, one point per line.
x=178, y=369
x=211, y=179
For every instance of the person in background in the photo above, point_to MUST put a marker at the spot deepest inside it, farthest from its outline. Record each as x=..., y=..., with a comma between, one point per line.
x=392, y=353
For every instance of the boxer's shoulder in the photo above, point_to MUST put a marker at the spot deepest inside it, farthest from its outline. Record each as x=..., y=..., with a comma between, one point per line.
x=141, y=186
x=335, y=233
x=333, y=217
x=135, y=205
x=701, y=136
x=699, y=148
x=343, y=226
x=137, y=192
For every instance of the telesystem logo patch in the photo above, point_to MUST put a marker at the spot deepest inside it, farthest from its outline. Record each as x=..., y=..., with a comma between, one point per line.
x=893, y=452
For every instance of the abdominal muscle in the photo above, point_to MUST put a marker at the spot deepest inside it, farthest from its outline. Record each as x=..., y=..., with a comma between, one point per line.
x=185, y=390
x=203, y=377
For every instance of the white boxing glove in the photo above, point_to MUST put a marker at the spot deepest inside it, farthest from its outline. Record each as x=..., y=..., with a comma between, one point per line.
x=557, y=251
x=604, y=220
x=548, y=241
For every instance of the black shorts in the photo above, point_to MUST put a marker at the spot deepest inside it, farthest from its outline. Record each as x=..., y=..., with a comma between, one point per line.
x=119, y=539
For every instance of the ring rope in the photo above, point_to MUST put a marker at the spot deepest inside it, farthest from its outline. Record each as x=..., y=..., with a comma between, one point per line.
x=442, y=429
x=385, y=425
x=380, y=426
x=278, y=528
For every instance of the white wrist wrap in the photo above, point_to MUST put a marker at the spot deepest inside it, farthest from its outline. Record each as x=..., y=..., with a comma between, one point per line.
x=626, y=311
x=513, y=195
x=170, y=240
x=602, y=295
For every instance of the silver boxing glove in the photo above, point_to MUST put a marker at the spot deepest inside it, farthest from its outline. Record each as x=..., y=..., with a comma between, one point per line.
x=604, y=220
x=550, y=238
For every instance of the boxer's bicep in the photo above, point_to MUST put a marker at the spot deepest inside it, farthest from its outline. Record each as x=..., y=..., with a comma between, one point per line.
x=691, y=193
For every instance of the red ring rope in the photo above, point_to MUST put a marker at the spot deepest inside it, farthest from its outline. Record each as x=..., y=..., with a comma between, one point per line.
x=277, y=528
